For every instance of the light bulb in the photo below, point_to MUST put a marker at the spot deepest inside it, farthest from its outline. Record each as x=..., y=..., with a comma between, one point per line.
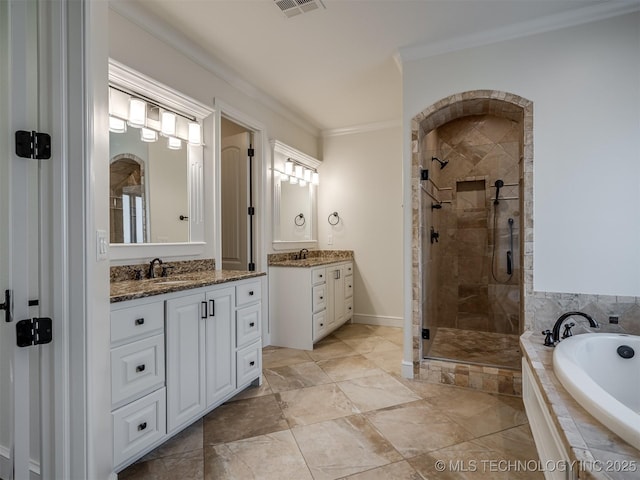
x=148, y=135
x=195, y=134
x=299, y=171
x=288, y=167
x=117, y=125
x=307, y=175
x=137, y=112
x=168, y=124
x=174, y=143
x=315, y=178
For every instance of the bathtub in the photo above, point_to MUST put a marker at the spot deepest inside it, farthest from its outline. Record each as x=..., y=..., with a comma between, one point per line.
x=601, y=381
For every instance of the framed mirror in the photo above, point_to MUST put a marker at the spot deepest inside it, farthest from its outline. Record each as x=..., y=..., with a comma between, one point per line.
x=295, y=181
x=157, y=156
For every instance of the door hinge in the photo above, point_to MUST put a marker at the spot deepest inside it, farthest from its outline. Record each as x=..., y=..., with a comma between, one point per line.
x=33, y=144
x=251, y=152
x=424, y=174
x=6, y=306
x=34, y=331
x=251, y=210
x=425, y=334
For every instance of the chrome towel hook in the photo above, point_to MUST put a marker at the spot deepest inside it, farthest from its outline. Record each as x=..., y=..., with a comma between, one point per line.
x=299, y=220
x=336, y=218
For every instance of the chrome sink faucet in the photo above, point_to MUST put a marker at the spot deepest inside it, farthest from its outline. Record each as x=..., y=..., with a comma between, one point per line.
x=302, y=254
x=553, y=336
x=152, y=265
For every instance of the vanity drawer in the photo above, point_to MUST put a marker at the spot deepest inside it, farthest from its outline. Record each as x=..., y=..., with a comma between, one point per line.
x=318, y=275
x=319, y=325
x=136, y=322
x=248, y=293
x=348, y=286
x=319, y=298
x=348, y=308
x=136, y=369
x=348, y=269
x=138, y=425
x=247, y=325
x=249, y=363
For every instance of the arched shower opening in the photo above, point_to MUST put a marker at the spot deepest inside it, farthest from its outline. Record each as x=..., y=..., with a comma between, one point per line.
x=472, y=231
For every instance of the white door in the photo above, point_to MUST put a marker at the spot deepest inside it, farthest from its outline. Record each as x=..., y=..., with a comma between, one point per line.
x=235, y=201
x=220, y=343
x=20, y=406
x=185, y=337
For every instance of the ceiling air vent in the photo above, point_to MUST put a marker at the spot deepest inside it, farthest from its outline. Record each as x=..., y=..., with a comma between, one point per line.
x=291, y=8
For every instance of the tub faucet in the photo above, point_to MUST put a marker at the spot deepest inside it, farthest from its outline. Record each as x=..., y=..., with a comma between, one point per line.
x=553, y=337
x=152, y=265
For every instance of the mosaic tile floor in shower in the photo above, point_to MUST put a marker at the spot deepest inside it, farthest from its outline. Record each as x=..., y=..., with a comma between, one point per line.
x=481, y=348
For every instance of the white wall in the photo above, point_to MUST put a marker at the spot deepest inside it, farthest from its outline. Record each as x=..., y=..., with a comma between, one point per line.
x=361, y=179
x=138, y=49
x=585, y=86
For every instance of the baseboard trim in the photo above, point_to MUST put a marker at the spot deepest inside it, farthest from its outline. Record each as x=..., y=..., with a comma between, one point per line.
x=378, y=320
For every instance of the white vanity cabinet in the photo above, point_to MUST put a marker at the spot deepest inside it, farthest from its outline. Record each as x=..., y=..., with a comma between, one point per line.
x=137, y=377
x=307, y=304
x=213, y=347
x=208, y=340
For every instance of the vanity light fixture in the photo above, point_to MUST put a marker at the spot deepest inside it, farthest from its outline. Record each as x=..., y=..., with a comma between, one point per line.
x=168, y=124
x=315, y=178
x=307, y=175
x=284, y=177
x=137, y=112
x=148, y=135
x=288, y=167
x=117, y=125
x=174, y=143
x=293, y=180
x=302, y=182
x=195, y=134
x=299, y=173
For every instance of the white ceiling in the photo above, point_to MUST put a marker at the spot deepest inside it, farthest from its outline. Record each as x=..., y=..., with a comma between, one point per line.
x=340, y=67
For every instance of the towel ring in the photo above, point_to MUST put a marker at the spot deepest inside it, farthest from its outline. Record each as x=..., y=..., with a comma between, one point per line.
x=299, y=220
x=337, y=217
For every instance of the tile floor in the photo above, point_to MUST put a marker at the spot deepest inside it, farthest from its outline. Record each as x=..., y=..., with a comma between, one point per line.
x=480, y=348
x=343, y=411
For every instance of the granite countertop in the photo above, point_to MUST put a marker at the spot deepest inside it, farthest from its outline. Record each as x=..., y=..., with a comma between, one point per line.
x=132, y=289
x=314, y=258
x=599, y=453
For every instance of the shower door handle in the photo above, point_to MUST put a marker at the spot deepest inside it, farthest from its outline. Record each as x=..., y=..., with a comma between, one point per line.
x=509, y=263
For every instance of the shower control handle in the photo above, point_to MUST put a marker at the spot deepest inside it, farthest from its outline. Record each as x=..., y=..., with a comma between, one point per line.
x=434, y=235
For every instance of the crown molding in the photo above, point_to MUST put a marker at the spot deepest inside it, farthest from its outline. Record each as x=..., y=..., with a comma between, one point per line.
x=169, y=35
x=523, y=29
x=363, y=128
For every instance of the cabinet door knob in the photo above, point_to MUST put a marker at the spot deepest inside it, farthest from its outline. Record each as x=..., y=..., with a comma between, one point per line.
x=250, y=293
x=139, y=321
x=252, y=324
x=322, y=324
x=321, y=298
x=140, y=368
x=320, y=276
x=142, y=426
x=252, y=363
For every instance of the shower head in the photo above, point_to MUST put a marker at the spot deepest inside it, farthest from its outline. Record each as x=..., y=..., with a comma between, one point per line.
x=442, y=164
x=499, y=184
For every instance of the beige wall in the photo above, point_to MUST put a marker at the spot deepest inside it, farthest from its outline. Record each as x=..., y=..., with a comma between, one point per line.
x=361, y=179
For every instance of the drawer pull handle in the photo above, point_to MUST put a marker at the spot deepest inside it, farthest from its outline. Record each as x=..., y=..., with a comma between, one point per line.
x=142, y=426
x=140, y=368
x=322, y=324
x=320, y=276
x=252, y=363
x=212, y=307
x=349, y=308
x=252, y=324
x=250, y=293
x=321, y=298
x=139, y=321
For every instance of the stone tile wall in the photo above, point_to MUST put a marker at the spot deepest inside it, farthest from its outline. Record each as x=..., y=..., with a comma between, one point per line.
x=476, y=102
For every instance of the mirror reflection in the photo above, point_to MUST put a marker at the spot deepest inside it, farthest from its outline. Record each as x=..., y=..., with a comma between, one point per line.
x=149, y=200
x=295, y=181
